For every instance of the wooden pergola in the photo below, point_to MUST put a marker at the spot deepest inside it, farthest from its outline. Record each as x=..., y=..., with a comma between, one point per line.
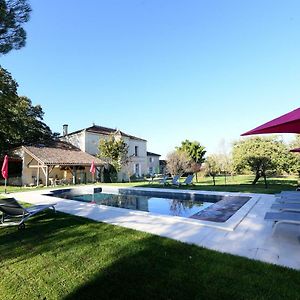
x=45, y=159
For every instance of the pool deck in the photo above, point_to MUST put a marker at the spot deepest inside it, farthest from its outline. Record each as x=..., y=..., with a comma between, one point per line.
x=245, y=234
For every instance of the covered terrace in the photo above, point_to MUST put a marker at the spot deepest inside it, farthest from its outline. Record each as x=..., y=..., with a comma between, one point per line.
x=61, y=163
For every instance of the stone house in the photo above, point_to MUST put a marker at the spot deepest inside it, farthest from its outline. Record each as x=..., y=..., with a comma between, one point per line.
x=141, y=162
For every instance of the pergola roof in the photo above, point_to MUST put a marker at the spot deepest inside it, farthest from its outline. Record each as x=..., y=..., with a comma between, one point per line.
x=52, y=156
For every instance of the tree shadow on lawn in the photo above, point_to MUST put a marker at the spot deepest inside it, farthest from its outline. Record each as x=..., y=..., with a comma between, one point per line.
x=166, y=269
x=95, y=260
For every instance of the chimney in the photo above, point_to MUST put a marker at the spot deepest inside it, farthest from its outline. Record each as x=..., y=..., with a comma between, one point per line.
x=65, y=129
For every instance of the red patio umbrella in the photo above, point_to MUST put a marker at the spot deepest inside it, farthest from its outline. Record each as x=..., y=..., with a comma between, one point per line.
x=288, y=123
x=93, y=169
x=4, y=170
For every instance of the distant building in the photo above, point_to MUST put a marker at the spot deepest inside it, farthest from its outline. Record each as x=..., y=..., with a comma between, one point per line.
x=153, y=163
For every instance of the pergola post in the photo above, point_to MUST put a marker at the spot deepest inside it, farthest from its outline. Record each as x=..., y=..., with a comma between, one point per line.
x=47, y=175
x=74, y=175
x=38, y=175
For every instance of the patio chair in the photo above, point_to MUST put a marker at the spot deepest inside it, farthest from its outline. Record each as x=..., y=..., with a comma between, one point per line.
x=175, y=180
x=283, y=217
x=285, y=194
x=287, y=206
x=188, y=180
x=12, y=210
x=288, y=200
x=163, y=180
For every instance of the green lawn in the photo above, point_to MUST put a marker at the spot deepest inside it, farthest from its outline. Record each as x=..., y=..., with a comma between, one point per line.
x=241, y=183
x=66, y=257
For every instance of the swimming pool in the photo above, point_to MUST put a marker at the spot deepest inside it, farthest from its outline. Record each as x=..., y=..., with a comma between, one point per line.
x=216, y=208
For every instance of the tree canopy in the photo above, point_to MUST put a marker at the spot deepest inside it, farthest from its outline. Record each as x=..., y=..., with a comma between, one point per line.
x=178, y=163
x=293, y=159
x=114, y=151
x=261, y=156
x=20, y=121
x=13, y=14
x=212, y=166
x=196, y=152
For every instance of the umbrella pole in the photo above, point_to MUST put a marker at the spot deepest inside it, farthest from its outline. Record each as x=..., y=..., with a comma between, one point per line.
x=5, y=184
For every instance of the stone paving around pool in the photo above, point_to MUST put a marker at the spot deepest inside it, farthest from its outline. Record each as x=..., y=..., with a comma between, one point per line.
x=246, y=233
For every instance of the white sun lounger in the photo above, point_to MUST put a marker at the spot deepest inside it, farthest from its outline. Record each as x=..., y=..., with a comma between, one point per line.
x=284, y=194
x=287, y=207
x=288, y=200
x=283, y=217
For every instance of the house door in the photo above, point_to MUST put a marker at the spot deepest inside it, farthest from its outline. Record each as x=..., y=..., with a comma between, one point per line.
x=137, y=170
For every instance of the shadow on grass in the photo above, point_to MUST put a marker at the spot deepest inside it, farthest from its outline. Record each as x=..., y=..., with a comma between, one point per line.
x=159, y=269
x=67, y=257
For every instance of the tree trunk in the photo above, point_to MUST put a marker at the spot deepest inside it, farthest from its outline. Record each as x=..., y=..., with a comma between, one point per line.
x=214, y=180
x=257, y=176
x=197, y=177
x=265, y=179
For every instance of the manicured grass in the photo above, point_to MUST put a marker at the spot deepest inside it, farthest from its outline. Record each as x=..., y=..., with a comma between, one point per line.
x=241, y=183
x=66, y=257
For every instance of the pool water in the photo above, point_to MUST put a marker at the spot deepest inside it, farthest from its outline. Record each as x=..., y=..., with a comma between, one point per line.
x=164, y=206
x=199, y=206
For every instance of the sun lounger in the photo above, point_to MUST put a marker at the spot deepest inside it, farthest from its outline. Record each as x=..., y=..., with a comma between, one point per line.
x=287, y=207
x=12, y=210
x=288, y=200
x=188, y=180
x=284, y=194
x=175, y=180
x=283, y=217
x=163, y=180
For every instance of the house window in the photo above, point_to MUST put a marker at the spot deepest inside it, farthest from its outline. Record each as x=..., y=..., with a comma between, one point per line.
x=151, y=159
x=136, y=150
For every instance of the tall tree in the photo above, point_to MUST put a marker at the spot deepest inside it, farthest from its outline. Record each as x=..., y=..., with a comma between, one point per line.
x=114, y=151
x=195, y=152
x=260, y=155
x=20, y=121
x=13, y=14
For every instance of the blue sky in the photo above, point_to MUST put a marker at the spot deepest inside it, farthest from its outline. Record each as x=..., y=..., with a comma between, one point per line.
x=162, y=70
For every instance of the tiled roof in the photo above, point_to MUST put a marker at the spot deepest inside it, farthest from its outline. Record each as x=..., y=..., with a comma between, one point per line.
x=61, y=156
x=106, y=131
x=152, y=154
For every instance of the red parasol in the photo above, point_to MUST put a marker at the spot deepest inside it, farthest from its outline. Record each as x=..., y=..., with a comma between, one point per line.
x=288, y=123
x=4, y=170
